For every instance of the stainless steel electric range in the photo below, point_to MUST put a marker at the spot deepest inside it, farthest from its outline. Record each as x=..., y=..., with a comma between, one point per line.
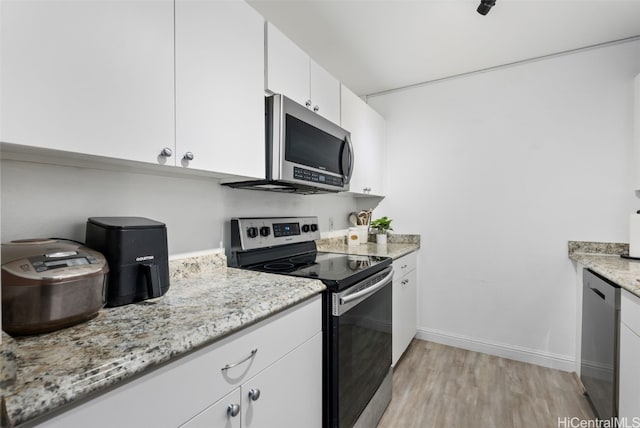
x=356, y=311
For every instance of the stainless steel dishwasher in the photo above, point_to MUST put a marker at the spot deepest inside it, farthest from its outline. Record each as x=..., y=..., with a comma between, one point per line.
x=600, y=343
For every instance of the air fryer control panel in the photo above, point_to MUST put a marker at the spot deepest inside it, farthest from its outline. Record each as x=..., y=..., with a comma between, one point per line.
x=253, y=233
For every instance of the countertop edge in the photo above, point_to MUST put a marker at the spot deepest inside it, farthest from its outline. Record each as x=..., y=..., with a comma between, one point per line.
x=612, y=267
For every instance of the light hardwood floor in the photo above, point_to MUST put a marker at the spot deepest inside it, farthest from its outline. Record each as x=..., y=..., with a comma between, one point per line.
x=443, y=387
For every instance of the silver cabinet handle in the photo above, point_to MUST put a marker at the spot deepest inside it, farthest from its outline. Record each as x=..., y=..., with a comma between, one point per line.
x=230, y=366
x=316, y=108
x=404, y=282
x=308, y=103
x=188, y=156
x=166, y=152
x=254, y=394
x=233, y=410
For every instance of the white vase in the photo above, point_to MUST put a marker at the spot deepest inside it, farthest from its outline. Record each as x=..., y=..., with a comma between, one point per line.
x=381, y=239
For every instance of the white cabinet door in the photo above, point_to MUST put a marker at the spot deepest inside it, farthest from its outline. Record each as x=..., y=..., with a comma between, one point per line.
x=92, y=77
x=404, y=313
x=290, y=71
x=636, y=132
x=290, y=391
x=220, y=414
x=324, y=92
x=629, y=388
x=219, y=87
x=287, y=67
x=629, y=392
x=368, y=134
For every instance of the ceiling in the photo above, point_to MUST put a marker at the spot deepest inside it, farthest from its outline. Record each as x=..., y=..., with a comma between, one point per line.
x=379, y=45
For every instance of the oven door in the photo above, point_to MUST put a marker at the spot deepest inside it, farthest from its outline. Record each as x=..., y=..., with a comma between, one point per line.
x=359, y=348
x=305, y=148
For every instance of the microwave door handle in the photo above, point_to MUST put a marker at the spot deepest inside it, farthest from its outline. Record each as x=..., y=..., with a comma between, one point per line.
x=347, y=176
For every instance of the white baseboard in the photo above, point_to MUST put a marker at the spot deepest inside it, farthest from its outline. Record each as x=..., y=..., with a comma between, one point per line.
x=517, y=353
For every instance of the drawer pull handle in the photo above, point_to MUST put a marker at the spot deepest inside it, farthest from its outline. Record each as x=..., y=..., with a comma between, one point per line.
x=230, y=366
x=233, y=410
x=404, y=267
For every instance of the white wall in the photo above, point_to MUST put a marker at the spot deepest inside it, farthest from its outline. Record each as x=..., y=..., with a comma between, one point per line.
x=497, y=171
x=40, y=200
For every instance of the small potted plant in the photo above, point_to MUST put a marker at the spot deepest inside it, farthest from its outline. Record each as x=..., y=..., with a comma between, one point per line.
x=382, y=225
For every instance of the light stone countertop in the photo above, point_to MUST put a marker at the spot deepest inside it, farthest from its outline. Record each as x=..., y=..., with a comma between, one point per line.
x=398, y=246
x=206, y=301
x=604, y=259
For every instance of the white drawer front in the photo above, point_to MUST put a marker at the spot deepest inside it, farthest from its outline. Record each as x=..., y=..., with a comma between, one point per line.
x=405, y=264
x=630, y=311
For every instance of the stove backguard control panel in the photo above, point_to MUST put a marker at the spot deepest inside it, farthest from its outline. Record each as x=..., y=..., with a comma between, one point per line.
x=254, y=233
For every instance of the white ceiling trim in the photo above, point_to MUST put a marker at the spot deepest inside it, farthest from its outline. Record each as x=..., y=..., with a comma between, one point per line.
x=501, y=66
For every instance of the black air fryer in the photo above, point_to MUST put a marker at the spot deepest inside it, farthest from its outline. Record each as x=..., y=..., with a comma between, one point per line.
x=136, y=251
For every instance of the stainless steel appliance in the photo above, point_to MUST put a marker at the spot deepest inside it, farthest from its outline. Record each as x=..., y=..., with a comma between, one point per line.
x=49, y=284
x=600, y=343
x=136, y=248
x=305, y=153
x=356, y=311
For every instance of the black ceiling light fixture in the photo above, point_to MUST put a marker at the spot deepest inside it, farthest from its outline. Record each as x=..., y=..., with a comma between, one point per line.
x=485, y=6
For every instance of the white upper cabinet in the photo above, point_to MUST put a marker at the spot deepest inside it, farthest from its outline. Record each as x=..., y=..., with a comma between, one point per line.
x=290, y=71
x=287, y=67
x=324, y=93
x=368, y=135
x=219, y=87
x=93, y=77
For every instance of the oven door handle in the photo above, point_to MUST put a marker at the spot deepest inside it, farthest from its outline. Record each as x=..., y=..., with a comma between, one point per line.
x=367, y=291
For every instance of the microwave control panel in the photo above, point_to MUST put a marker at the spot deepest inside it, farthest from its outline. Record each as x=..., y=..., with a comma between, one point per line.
x=317, y=177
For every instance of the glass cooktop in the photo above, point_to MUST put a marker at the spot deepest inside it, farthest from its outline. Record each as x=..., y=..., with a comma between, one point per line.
x=333, y=269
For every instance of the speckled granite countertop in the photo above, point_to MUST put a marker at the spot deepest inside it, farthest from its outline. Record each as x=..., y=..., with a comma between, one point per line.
x=398, y=246
x=604, y=258
x=205, y=302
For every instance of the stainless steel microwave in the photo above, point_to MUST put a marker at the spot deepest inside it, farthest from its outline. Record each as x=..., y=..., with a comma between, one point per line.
x=305, y=153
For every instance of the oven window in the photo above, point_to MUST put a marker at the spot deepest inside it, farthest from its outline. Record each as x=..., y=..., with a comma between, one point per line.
x=310, y=146
x=364, y=348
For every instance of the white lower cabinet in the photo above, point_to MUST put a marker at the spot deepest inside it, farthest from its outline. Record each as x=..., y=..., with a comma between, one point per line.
x=629, y=392
x=282, y=395
x=280, y=356
x=290, y=391
x=404, y=304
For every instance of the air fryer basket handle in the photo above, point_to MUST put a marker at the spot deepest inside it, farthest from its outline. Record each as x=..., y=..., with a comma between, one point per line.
x=152, y=276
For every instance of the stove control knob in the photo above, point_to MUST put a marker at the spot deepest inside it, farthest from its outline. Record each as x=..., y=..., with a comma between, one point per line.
x=314, y=227
x=252, y=232
x=305, y=228
x=265, y=231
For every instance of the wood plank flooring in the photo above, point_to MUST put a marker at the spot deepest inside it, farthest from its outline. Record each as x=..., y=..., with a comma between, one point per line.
x=443, y=387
